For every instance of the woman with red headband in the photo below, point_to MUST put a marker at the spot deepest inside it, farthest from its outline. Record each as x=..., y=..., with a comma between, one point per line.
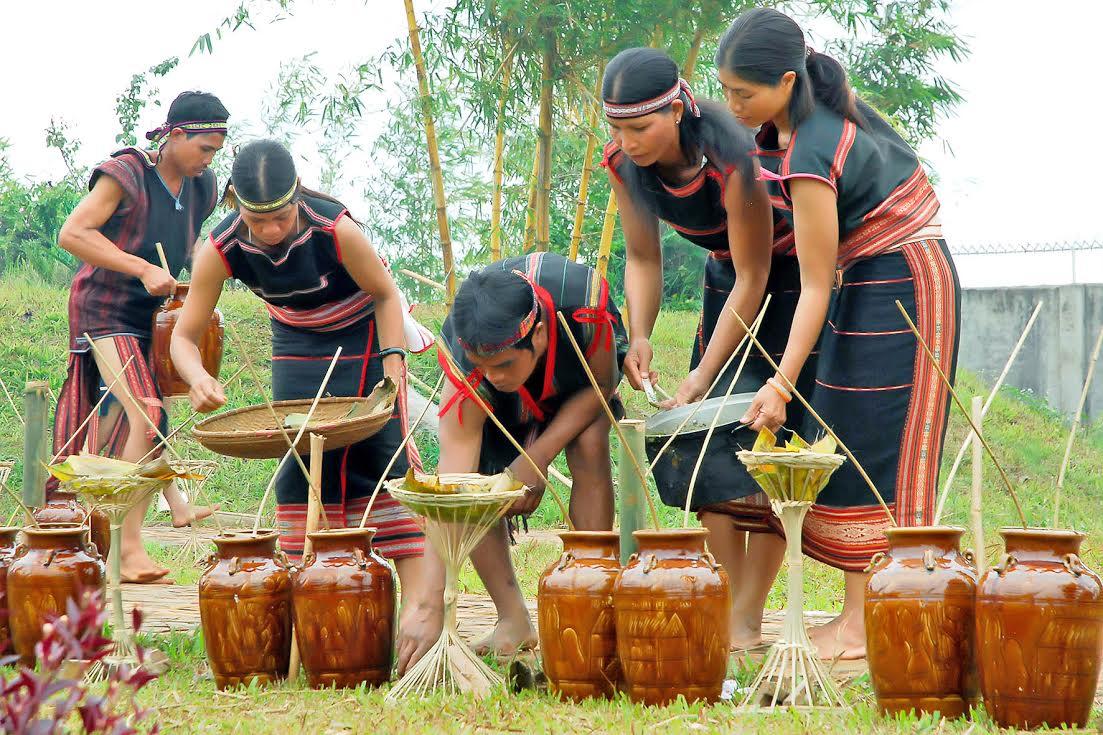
x=687, y=163
x=136, y=199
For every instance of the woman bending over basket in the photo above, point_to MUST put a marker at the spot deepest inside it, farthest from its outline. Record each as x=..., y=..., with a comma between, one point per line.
x=325, y=287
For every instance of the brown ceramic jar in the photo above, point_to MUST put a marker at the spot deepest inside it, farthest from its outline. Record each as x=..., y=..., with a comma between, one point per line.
x=210, y=344
x=344, y=607
x=574, y=603
x=919, y=615
x=63, y=507
x=52, y=566
x=7, y=554
x=245, y=608
x=672, y=618
x=1039, y=626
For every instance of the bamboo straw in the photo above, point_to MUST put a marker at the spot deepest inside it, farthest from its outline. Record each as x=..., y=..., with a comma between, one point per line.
x=164, y=263
x=612, y=419
x=434, y=154
x=11, y=402
x=422, y=279
x=311, y=487
x=991, y=396
x=494, y=419
x=964, y=410
x=1075, y=426
x=715, y=420
x=716, y=381
x=298, y=436
x=91, y=413
x=400, y=449
x=184, y=424
x=976, y=516
x=808, y=407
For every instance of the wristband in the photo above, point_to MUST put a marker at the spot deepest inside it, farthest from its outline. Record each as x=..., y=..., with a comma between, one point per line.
x=400, y=351
x=780, y=389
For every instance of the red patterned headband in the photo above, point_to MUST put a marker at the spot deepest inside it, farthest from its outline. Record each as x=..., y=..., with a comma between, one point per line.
x=523, y=329
x=639, y=109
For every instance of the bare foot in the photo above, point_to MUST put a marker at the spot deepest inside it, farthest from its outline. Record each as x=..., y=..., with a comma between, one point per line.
x=187, y=514
x=508, y=638
x=842, y=639
x=744, y=635
x=137, y=567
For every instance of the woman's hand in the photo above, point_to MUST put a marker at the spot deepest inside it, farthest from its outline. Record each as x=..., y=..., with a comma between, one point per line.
x=206, y=395
x=767, y=410
x=694, y=388
x=637, y=363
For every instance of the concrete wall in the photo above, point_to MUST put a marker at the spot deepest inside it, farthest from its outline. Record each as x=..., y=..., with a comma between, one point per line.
x=1054, y=360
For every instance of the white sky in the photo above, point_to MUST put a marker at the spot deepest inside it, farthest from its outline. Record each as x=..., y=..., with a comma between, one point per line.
x=1029, y=77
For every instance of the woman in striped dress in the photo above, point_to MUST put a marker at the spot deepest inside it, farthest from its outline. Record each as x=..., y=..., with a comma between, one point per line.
x=866, y=234
x=325, y=287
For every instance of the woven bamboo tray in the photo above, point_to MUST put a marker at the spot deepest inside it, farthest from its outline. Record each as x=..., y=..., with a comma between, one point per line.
x=250, y=432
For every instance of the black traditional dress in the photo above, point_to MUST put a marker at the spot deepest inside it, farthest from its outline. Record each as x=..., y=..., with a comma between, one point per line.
x=562, y=286
x=315, y=307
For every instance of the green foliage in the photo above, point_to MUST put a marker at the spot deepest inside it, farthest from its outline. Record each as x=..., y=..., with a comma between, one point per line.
x=132, y=100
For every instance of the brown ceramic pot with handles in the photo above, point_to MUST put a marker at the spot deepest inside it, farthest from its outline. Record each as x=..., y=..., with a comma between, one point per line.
x=344, y=608
x=245, y=608
x=53, y=565
x=1039, y=631
x=7, y=555
x=919, y=616
x=574, y=602
x=63, y=507
x=211, y=344
x=672, y=618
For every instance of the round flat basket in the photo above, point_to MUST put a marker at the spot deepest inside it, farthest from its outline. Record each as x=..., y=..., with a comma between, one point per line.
x=251, y=433
x=468, y=508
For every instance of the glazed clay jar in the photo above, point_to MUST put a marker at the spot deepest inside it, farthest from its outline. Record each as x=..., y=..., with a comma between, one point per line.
x=245, y=608
x=52, y=566
x=7, y=555
x=577, y=628
x=344, y=607
x=672, y=618
x=210, y=344
x=63, y=507
x=919, y=616
x=1039, y=626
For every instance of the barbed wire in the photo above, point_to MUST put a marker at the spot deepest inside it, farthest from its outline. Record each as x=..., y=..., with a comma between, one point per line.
x=1001, y=248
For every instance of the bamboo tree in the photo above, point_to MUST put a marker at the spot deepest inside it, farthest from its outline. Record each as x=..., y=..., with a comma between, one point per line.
x=587, y=167
x=499, y=144
x=530, y=209
x=547, y=82
x=607, y=235
x=434, y=154
x=694, y=52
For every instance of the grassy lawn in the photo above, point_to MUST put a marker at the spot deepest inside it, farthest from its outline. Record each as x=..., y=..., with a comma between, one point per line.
x=1027, y=435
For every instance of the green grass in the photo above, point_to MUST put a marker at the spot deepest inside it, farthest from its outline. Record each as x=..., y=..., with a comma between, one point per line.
x=1027, y=436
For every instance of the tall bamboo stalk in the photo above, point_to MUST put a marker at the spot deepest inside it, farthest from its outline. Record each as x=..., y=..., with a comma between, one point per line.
x=694, y=52
x=607, y=228
x=543, y=200
x=530, y=209
x=499, y=145
x=434, y=154
x=1075, y=426
x=587, y=167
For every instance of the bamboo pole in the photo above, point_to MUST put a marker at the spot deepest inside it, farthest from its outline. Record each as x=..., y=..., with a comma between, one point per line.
x=630, y=509
x=808, y=407
x=499, y=147
x=444, y=351
x=530, y=211
x=18, y=500
x=987, y=404
x=186, y=422
x=106, y=393
x=11, y=402
x=434, y=154
x=612, y=419
x=547, y=82
x=694, y=51
x=587, y=168
x=976, y=517
x=313, y=510
x=298, y=436
x=422, y=279
x=35, y=451
x=964, y=410
x=607, y=228
x=1075, y=426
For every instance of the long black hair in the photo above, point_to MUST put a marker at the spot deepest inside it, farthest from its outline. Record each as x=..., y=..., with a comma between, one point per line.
x=264, y=171
x=489, y=308
x=640, y=74
x=762, y=44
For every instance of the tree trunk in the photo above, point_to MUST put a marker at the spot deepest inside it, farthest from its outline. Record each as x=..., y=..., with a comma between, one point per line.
x=434, y=154
x=543, y=201
x=499, y=145
x=694, y=52
x=587, y=168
